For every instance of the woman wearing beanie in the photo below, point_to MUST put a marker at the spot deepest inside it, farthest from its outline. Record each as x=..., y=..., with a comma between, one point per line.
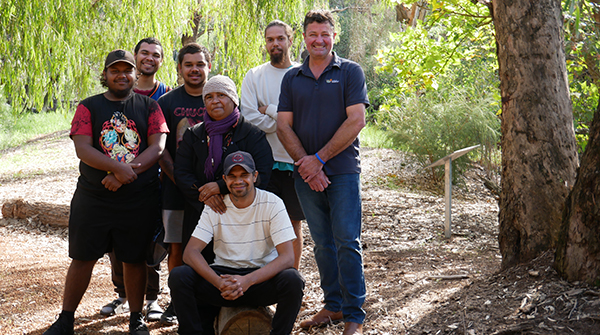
x=199, y=163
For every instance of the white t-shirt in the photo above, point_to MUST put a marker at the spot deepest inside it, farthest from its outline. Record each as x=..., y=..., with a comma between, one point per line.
x=261, y=86
x=246, y=237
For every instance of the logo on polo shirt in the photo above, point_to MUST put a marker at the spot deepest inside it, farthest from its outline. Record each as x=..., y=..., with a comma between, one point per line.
x=332, y=81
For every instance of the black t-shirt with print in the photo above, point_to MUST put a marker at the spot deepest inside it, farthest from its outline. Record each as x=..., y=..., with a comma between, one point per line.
x=181, y=111
x=120, y=130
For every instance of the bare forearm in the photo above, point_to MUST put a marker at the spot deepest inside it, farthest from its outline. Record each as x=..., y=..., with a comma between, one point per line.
x=93, y=157
x=152, y=154
x=346, y=133
x=167, y=165
x=342, y=138
x=193, y=257
x=147, y=159
x=270, y=270
x=290, y=141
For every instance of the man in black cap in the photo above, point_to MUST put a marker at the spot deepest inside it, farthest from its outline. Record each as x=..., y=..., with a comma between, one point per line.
x=254, y=256
x=149, y=55
x=119, y=137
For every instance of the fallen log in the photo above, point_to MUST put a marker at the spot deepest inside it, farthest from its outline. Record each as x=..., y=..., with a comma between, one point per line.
x=244, y=321
x=43, y=212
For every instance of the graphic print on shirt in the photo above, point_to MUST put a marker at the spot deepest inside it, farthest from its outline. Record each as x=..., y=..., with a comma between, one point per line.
x=191, y=116
x=120, y=139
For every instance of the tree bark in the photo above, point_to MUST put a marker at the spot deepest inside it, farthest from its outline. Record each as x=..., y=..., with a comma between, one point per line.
x=578, y=251
x=539, y=157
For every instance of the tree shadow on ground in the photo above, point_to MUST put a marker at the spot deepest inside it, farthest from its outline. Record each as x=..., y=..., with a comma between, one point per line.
x=527, y=299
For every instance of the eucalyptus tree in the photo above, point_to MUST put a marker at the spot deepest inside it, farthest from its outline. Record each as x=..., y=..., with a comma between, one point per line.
x=578, y=250
x=539, y=152
x=539, y=156
x=51, y=52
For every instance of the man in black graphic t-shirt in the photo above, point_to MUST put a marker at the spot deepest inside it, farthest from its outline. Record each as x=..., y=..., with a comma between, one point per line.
x=119, y=136
x=148, y=56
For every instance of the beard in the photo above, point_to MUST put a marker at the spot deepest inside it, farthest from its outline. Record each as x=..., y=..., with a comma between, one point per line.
x=277, y=58
x=121, y=93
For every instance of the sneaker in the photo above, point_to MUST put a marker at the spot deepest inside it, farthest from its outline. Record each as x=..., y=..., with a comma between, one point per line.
x=116, y=306
x=137, y=325
x=153, y=311
x=169, y=317
x=60, y=327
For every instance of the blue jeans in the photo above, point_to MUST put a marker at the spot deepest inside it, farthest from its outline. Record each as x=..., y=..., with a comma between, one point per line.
x=197, y=302
x=334, y=220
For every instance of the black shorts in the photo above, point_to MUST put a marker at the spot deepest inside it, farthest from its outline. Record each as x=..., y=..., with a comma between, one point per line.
x=282, y=184
x=97, y=227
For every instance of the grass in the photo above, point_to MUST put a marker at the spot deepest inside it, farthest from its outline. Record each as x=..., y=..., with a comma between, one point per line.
x=373, y=137
x=15, y=131
x=19, y=166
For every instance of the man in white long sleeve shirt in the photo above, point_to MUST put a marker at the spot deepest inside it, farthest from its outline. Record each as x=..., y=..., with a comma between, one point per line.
x=260, y=97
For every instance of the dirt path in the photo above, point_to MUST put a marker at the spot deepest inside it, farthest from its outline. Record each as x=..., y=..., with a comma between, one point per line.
x=405, y=254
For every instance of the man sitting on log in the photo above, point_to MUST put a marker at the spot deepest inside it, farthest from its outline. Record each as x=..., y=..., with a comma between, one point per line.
x=254, y=257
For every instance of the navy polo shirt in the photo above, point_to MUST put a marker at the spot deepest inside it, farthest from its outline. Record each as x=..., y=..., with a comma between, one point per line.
x=319, y=107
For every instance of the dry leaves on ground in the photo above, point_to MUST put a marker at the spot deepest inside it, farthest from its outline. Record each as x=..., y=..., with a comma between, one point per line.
x=418, y=282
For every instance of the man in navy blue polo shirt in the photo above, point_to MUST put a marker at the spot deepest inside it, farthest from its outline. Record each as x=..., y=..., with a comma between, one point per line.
x=321, y=112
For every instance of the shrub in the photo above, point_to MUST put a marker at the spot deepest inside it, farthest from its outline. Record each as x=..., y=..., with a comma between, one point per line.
x=436, y=123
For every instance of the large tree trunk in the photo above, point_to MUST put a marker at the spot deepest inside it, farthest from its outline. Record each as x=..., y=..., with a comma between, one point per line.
x=539, y=158
x=578, y=251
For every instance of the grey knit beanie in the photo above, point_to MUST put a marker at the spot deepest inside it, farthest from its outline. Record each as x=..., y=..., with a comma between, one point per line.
x=221, y=84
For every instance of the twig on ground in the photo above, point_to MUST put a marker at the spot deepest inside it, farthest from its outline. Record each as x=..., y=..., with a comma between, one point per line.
x=572, y=310
x=449, y=277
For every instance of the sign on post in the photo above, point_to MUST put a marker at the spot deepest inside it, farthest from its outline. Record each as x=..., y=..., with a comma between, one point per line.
x=447, y=162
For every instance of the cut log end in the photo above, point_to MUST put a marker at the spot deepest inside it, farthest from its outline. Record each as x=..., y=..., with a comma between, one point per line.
x=244, y=321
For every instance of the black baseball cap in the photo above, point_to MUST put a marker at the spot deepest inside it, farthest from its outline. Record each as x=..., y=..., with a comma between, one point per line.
x=240, y=158
x=119, y=55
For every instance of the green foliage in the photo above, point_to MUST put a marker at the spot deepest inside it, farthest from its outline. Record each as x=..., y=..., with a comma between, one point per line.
x=373, y=137
x=15, y=131
x=442, y=121
x=582, y=47
x=234, y=31
x=419, y=56
x=52, y=51
x=444, y=95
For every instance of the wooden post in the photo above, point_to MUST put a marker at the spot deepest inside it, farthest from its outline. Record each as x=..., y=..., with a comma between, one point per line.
x=447, y=161
x=448, y=189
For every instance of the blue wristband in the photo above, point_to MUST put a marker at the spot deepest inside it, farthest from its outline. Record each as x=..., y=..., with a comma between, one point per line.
x=319, y=158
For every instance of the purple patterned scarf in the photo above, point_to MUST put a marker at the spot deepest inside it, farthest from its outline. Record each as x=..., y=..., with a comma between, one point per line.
x=215, y=131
